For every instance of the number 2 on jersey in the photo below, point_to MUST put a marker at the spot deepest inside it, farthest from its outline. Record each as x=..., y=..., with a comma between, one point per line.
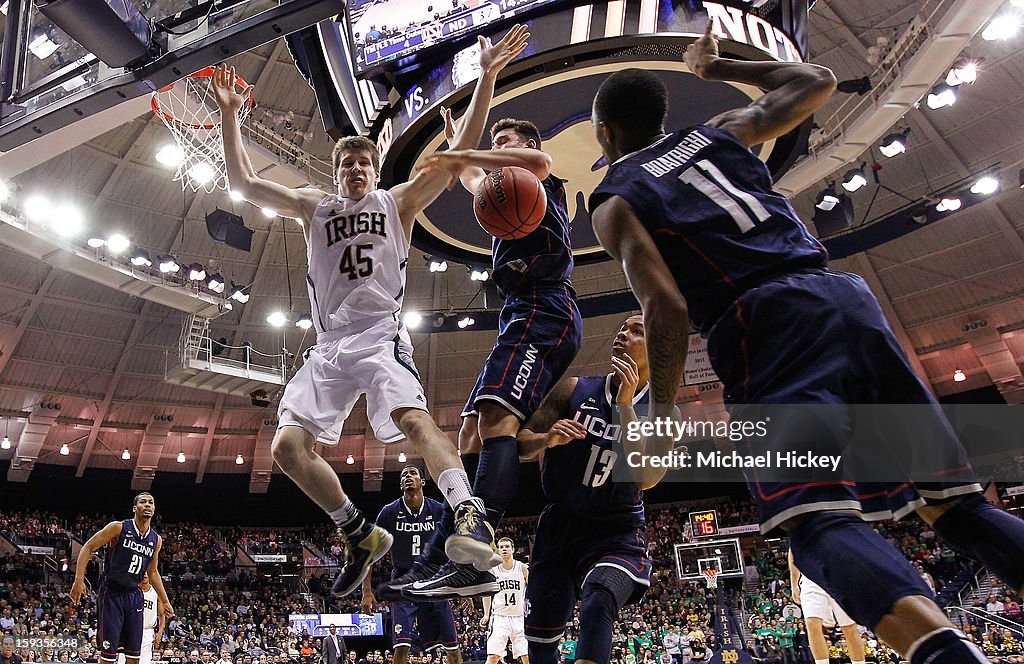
x=706, y=178
x=416, y=545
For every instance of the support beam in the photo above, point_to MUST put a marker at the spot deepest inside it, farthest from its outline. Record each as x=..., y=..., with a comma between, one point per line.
x=115, y=379
x=30, y=312
x=31, y=442
x=148, y=460
x=211, y=429
x=262, y=460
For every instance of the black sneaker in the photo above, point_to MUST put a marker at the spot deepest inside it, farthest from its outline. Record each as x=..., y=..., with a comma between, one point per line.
x=359, y=557
x=452, y=582
x=473, y=540
x=392, y=590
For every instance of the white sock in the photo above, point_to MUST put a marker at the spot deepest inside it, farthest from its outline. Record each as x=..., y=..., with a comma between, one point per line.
x=454, y=484
x=344, y=513
x=857, y=661
x=821, y=661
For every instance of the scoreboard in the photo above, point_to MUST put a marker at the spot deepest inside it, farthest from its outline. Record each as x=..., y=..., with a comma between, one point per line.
x=704, y=523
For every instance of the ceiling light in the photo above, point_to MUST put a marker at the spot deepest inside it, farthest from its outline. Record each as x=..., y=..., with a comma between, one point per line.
x=239, y=460
x=37, y=208
x=268, y=213
x=96, y=242
x=181, y=457
x=216, y=283
x=140, y=258
x=949, y=205
x=235, y=196
x=895, y=143
x=305, y=321
x=478, y=275
x=401, y=457
x=438, y=266
x=941, y=95
x=277, y=319
x=67, y=220
x=170, y=155
x=5, y=444
x=65, y=450
x=962, y=72
x=239, y=293
x=827, y=199
x=854, y=179
x=1002, y=27
x=412, y=319
x=168, y=264
x=126, y=455
x=465, y=322
x=985, y=186
x=959, y=376
x=201, y=173
x=196, y=272
x=350, y=460
x=117, y=243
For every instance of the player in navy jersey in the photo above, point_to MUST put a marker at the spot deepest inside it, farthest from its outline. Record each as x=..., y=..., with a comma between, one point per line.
x=590, y=538
x=412, y=520
x=700, y=234
x=539, y=330
x=133, y=554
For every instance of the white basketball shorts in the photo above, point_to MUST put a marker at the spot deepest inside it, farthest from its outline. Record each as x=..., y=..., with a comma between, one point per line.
x=344, y=364
x=503, y=630
x=816, y=603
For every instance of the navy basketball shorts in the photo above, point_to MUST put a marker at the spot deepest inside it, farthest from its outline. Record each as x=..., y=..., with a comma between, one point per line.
x=120, y=618
x=425, y=624
x=819, y=337
x=568, y=548
x=539, y=334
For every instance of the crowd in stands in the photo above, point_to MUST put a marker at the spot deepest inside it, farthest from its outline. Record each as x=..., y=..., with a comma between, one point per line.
x=229, y=615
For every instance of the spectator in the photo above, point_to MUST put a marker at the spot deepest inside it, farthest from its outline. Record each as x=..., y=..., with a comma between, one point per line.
x=7, y=654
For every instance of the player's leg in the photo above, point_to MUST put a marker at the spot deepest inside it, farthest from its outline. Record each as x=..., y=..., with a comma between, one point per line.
x=108, y=625
x=314, y=405
x=816, y=638
x=551, y=592
x=436, y=625
x=520, y=646
x=498, y=635
x=854, y=644
x=403, y=629
x=132, y=626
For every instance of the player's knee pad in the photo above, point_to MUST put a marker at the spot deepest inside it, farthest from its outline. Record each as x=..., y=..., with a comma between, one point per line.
x=980, y=530
x=543, y=653
x=496, y=472
x=854, y=564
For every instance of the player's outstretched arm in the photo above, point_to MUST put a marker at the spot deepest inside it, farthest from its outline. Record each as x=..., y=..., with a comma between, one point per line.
x=108, y=534
x=666, y=317
x=794, y=578
x=297, y=203
x=794, y=91
x=158, y=583
x=427, y=184
x=481, y=161
x=546, y=425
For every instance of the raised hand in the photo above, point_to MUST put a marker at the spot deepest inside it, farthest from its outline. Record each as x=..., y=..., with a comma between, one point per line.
x=626, y=370
x=224, y=92
x=565, y=431
x=494, y=57
x=453, y=161
x=701, y=55
x=449, y=124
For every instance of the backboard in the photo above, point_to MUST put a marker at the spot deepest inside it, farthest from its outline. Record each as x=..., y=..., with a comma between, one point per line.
x=723, y=555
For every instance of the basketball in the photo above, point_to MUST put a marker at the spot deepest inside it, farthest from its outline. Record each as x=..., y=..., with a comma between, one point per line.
x=510, y=203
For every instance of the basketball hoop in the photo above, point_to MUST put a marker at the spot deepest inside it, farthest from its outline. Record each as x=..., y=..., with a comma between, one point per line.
x=189, y=109
x=710, y=577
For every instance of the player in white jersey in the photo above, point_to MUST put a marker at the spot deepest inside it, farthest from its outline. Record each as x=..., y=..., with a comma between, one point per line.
x=357, y=246
x=821, y=611
x=153, y=622
x=504, y=611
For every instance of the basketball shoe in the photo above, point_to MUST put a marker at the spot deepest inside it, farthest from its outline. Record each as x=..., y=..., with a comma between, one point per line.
x=359, y=557
x=392, y=590
x=472, y=543
x=452, y=581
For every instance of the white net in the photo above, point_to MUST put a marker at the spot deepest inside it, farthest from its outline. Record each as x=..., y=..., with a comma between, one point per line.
x=710, y=578
x=188, y=109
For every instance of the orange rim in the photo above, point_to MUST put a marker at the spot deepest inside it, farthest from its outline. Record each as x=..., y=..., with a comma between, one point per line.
x=206, y=72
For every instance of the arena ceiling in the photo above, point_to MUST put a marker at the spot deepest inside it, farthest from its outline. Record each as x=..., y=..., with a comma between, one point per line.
x=102, y=355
